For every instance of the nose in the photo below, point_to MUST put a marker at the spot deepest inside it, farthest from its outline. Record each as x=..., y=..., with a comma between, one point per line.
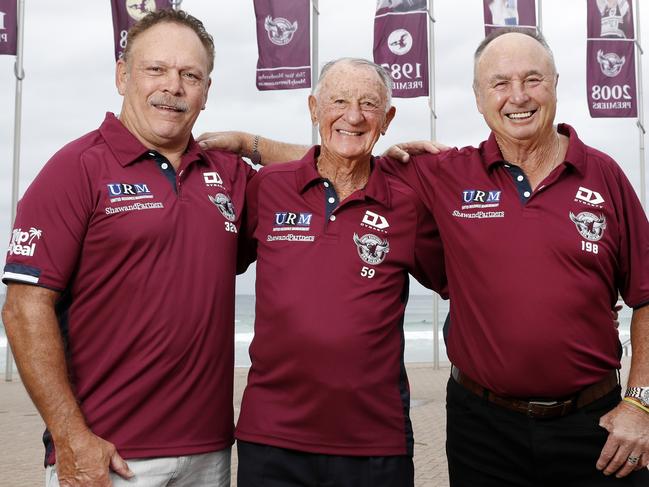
x=518, y=93
x=173, y=82
x=353, y=113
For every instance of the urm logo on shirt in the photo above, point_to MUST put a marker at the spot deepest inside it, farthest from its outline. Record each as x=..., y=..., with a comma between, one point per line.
x=481, y=196
x=126, y=191
x=289, y=218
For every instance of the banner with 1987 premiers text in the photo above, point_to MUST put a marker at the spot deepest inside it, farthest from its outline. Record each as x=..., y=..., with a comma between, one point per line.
x=401, y=45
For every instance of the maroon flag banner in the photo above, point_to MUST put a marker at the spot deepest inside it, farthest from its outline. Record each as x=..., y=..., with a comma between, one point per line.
x=610, y=19
x=8, y=26
x=509, y=13
x=284, y=44
x=610, y=59
x=401, y=45
x=128, y=12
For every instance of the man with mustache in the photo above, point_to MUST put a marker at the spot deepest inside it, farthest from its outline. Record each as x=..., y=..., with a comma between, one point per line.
x=122, y=333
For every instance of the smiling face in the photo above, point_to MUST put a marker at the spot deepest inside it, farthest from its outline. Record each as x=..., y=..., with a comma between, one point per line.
x=351, y=108
x=515, y=88
x=164, y=84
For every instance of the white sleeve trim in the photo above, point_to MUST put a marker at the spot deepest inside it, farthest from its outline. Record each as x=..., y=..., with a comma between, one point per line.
x=14, y=276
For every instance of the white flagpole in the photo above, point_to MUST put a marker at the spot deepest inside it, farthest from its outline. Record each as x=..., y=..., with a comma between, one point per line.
x=539, y=16
x=15, y=183
x=175, y=4
x=639, y=101
x=433, y=136
x=315, y=14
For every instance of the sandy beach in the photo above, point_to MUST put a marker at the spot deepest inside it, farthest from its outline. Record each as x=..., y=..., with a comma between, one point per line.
x=21, y=450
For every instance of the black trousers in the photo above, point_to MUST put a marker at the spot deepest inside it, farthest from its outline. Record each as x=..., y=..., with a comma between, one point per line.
x=269, y=466
x=489, y=446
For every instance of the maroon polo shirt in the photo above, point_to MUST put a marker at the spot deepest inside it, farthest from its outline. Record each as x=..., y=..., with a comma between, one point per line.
x=533, y=276
x=327, y=372
x=144, y=259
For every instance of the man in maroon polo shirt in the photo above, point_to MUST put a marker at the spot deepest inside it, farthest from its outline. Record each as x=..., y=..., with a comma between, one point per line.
x=540, y=233
x=327, y=399
x=121, y=273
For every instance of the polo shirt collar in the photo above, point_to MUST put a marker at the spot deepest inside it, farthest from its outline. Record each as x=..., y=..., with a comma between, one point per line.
x=377, y=187
x=127, y=149
x=575, y=156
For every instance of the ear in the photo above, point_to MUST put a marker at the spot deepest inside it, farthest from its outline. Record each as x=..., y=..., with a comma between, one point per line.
x=207, y=89
x=389, y=116
x=121, y=76
x=478, y=100
x=313, y=109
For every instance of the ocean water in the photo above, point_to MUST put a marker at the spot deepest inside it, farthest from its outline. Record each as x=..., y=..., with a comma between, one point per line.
x=418, y=327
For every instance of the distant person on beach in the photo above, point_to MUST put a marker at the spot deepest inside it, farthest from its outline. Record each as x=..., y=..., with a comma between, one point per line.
x=120, y=273
x=540, y=234
x=335, y=238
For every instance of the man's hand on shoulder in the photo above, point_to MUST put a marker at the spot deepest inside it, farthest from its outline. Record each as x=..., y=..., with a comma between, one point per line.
x=230, y=141
x=403, y=151
x=83, y=458
x=628, y=436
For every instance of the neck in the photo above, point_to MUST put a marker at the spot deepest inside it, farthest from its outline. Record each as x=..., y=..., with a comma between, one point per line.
x=536, y=158
x=171, y=149
x=346, y=175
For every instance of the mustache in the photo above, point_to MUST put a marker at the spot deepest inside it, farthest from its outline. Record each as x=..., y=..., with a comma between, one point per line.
x=168, y=101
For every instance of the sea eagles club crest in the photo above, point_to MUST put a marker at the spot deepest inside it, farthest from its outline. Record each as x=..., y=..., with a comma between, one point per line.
x=590, y=226
x=225, y=206
x=137, y=9
x=280, y=31
x=610, y=63
x=371, y=249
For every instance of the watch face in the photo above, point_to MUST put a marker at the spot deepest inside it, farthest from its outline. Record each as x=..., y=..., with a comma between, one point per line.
x=644, y=395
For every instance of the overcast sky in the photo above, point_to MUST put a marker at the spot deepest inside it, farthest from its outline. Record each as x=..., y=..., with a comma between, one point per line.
x=69, y=82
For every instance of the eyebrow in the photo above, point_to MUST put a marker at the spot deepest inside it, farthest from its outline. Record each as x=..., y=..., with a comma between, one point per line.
x=502, y=77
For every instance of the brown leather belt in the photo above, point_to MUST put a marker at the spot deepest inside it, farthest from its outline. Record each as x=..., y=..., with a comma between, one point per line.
x=542, y=408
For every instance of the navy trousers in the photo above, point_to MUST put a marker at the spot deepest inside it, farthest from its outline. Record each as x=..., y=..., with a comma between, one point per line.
x=269, y=466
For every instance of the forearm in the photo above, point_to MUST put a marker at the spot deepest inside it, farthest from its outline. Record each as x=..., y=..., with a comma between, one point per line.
x=639, y=373
x=243, y=143
x=33, y=332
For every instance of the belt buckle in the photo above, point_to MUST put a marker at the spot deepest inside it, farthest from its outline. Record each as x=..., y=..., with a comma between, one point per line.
x=542, y=404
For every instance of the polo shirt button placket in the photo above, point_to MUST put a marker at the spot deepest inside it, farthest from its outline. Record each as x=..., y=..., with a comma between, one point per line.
x=331, y=200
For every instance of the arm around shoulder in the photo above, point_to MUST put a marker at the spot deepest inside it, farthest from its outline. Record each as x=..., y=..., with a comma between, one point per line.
x=259, y=149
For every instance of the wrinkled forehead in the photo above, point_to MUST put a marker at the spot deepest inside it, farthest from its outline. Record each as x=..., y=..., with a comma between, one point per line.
x=170, y=40
x=357, y=80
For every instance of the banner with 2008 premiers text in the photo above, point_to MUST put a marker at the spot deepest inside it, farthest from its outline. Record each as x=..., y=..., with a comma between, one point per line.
x=610, y=66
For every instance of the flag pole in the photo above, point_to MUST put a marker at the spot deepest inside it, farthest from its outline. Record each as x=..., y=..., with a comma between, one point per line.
x=640, y=121
x=315, y=13
x=15, y=183
x=175, y=4
x=433, y=136
x=539, y=16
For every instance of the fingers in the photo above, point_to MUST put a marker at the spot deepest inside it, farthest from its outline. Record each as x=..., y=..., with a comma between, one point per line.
x=119, y=466
x=397, y=153
x=205, y=136
x=629, y=464
x=439, y=147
